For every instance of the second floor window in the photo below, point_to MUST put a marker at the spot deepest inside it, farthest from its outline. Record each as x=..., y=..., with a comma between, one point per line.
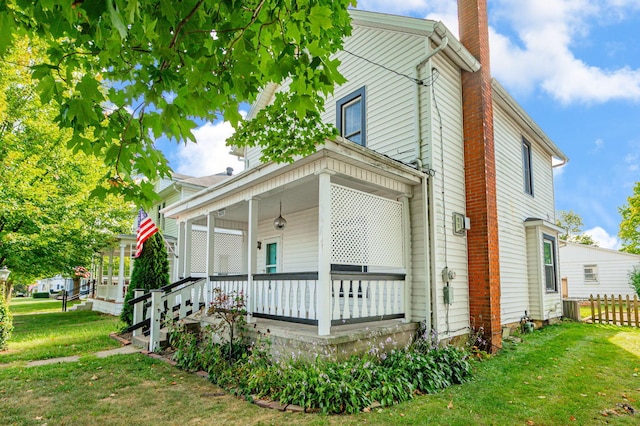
x=527, y=167
x=350, y=117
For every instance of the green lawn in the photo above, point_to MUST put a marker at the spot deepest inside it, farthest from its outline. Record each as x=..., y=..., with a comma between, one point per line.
x=561, y=375
x=40, y=334
x=26, y=305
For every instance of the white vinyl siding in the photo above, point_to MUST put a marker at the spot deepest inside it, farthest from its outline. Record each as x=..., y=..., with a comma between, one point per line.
x=298, y=240
x=514, y=207
x=419, y=261
x=448, y=91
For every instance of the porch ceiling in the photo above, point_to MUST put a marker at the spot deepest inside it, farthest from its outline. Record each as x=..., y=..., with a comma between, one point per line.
x=296, y=184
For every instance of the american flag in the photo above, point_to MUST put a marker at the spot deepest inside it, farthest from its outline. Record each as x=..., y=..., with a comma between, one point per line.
x=146, y=228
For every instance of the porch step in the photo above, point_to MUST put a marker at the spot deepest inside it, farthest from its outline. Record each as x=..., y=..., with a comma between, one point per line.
x=84, y=306
x=142, y=341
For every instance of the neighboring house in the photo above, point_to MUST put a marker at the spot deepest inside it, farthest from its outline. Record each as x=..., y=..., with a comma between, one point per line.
x=58, y=283
x=439, y=208
x=589, y=270
x=54, y=284
x=177, y=188
x=114, y=265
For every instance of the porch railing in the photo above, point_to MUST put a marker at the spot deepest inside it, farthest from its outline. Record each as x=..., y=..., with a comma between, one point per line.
x=292, y=297
x=355, y=297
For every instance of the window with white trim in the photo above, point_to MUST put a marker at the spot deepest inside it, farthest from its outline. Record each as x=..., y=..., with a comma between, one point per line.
x=591, y=274
x=550, y=276
x=351, y=117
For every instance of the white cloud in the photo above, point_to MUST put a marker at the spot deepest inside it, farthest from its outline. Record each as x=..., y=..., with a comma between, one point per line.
x=603, y=238
x=542, y=56
x=558, y=171
x=210, y=154
x=598, y=144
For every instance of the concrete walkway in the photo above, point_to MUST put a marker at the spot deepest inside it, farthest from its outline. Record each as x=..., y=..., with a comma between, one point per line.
x=124, y=350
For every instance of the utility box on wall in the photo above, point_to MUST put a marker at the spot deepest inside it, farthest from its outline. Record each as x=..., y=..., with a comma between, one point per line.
x=448, y=295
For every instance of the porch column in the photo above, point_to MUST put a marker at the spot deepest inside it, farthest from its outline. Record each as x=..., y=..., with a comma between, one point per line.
x=252, y=257
x=99, y=276
x=211, y=239
x=181, y=250
x=120, y=295
x=188, y=243
x=323, y=291
x=406, y=257
x=110, y=268
x=131, y=247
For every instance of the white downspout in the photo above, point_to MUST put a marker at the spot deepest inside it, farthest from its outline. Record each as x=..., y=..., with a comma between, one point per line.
x=431, y=311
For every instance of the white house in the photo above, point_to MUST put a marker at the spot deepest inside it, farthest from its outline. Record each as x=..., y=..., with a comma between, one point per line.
x=589, y=270
x=54, y=284
x=439, y=208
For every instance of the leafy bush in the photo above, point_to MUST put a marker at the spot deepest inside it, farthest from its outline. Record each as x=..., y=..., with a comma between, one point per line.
x=150, y=271
x=328, y=386
x=6, y=322
x=634, y=279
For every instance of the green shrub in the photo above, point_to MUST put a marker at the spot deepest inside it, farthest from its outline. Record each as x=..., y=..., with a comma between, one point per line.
x=328, y=386
x=6, y=322
x=41, y=295
x=150, y=271
x=634, y=278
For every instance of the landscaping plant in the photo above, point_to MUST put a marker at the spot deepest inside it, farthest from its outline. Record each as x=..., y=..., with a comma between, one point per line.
x=634, y=279
x=150, y=271
x=6, y=322
x=346, y=386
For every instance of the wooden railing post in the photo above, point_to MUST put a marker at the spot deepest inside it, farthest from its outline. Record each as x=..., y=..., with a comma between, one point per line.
x=156, y=316
x=138, y=311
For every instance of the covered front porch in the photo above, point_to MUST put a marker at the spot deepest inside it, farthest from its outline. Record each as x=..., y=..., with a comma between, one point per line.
x=111, y=271
x=323, y=242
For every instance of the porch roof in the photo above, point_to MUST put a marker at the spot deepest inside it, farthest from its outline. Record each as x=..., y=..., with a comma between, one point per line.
x=342, y=158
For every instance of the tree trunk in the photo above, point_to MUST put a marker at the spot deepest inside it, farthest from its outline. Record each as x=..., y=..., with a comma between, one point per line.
x=7, y=291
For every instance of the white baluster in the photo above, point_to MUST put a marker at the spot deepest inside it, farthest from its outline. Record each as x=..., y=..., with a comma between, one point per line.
x=365, y=298
x=336, y=311
x=346, y=287
x=286, y=293
x=311, y=299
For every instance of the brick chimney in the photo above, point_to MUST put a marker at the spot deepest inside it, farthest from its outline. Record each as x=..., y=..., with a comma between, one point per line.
x=480, y=175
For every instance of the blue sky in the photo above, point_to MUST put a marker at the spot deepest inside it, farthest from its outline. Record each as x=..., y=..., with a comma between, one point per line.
x=573, y=65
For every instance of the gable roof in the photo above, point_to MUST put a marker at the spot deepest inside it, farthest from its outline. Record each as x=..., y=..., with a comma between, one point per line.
x=579, y=246
x=435, y=30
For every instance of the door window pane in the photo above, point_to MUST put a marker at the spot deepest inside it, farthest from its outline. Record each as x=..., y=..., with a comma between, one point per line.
x=272, y=258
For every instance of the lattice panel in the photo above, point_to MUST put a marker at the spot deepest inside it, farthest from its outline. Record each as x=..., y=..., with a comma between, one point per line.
x=228, y=253
x=365, y=229
x=198, y=251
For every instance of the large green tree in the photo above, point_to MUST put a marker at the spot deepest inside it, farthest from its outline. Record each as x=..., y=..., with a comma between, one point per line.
x=630, y=226
x=572, y=224
x=48, y=222
x=124, y=73
x=150, y=271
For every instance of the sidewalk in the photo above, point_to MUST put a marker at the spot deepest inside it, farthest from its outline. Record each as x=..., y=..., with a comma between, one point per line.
x=123, y=350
